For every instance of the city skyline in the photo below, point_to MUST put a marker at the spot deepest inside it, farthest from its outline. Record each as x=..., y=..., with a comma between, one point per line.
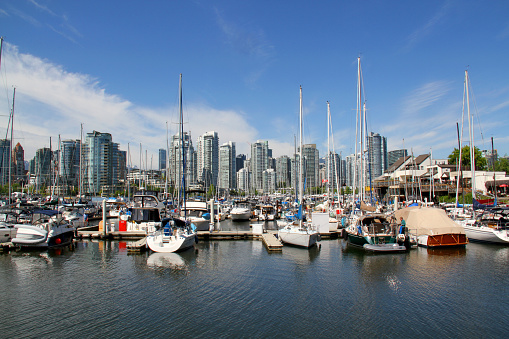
x=242, y=65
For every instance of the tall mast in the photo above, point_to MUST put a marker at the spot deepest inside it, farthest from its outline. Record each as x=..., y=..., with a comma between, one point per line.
x=471, y=135
x=328, y=155
x=182, y=147
x=10, y=147
x=301, y=176
x=80, y=184
x=357, y=123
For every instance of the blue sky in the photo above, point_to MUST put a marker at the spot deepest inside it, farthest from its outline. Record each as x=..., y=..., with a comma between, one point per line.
x=114, y=66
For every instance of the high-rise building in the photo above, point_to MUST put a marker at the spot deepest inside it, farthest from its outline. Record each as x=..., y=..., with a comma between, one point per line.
x=208, y=158
x=243, y=179
x=284, y=171
x=259, y=162
x=311, y=165
x=175, y=157
x=101, y=163
x=5, y=152
x=42, y=167
x=377, y=156
x=239, y=161
x=18, y=158
x=227, y=166
x=162, y=159
x=69, y=160
x=393, y=156
x=269, y=180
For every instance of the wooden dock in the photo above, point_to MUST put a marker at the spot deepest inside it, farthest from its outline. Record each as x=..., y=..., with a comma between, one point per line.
x=271, y=242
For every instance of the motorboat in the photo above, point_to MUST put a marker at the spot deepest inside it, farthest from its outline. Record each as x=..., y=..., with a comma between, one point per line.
x=198, y=214
x=241, y=212
x=48, y=229
x=373, y=232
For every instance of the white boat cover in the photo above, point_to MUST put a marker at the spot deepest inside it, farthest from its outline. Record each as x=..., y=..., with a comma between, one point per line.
x=428, y=221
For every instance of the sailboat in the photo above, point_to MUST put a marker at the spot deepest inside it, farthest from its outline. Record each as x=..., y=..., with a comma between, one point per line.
x=298, y=233
x=491, y=230
x=177, y=233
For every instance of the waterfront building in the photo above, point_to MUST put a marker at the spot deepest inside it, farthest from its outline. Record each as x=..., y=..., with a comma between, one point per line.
x=208, y=158
x=5, y=152
x=393, y=156
x=269, y=180
x=239, y=161
x=311, y=165
x=162, y=159
x=176, y=164
x=284, y=171
x=227, y=166
x=100, y=164
x=377, y=156
x=259, y=162
x=18, y=166
x=42, y=167
x=69, y=160
x=243, y=179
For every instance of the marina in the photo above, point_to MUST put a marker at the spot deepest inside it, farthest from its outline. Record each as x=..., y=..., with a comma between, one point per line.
x=239, y=289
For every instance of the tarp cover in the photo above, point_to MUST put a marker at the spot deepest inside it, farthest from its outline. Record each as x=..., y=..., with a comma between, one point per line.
x=428, y=221
x=365, y=207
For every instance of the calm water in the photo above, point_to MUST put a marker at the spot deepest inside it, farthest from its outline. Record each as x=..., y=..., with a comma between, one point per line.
x=238, y=289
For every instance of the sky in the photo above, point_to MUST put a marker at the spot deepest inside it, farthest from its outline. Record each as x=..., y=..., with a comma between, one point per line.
x=114, y=66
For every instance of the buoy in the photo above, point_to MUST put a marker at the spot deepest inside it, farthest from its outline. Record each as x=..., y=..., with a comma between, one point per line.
x=58, y=241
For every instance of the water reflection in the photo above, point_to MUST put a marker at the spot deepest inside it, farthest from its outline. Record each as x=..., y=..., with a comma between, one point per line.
x=166, y=260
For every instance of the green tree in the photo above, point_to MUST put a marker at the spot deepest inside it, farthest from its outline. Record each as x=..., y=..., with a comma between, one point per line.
x=480, y=161
x=502, y=165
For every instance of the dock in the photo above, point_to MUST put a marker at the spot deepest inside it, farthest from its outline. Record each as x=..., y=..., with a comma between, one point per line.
x=271, y=242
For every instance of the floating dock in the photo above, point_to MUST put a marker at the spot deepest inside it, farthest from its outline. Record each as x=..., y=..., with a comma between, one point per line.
x=271, y=242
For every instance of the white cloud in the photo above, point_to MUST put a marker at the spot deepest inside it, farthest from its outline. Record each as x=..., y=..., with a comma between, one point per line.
x=51, y=101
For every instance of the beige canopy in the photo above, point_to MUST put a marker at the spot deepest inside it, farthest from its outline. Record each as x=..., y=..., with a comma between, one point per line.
x=428, y=221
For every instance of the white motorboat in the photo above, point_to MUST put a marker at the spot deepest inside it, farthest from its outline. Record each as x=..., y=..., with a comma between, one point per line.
x=240, y=213
x=198, y=214
x=48, y=229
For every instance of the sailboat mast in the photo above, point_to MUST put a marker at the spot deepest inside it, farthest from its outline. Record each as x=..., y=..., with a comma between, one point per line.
x=10, y=147
x=182, y=147
x=357, y=122
x=471, y=136
x=301, y=176
x=328, y=155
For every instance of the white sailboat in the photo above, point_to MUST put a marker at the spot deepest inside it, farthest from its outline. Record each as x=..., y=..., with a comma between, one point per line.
x=176, y=234
x=298, y=233
x=492, y=230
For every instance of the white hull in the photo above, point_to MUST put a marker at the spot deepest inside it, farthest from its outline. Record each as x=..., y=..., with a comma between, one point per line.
x=158, y=242
x=240, y=214
x=487, y=234
x=296, y=236
x=7, y=233
x=33, y=236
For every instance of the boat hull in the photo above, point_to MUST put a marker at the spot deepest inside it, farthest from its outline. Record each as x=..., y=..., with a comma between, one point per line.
x=241, y=215
x=158, y=242
x=301, y=238
x=36, y=237
x=487, y=234
x=442, y=240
